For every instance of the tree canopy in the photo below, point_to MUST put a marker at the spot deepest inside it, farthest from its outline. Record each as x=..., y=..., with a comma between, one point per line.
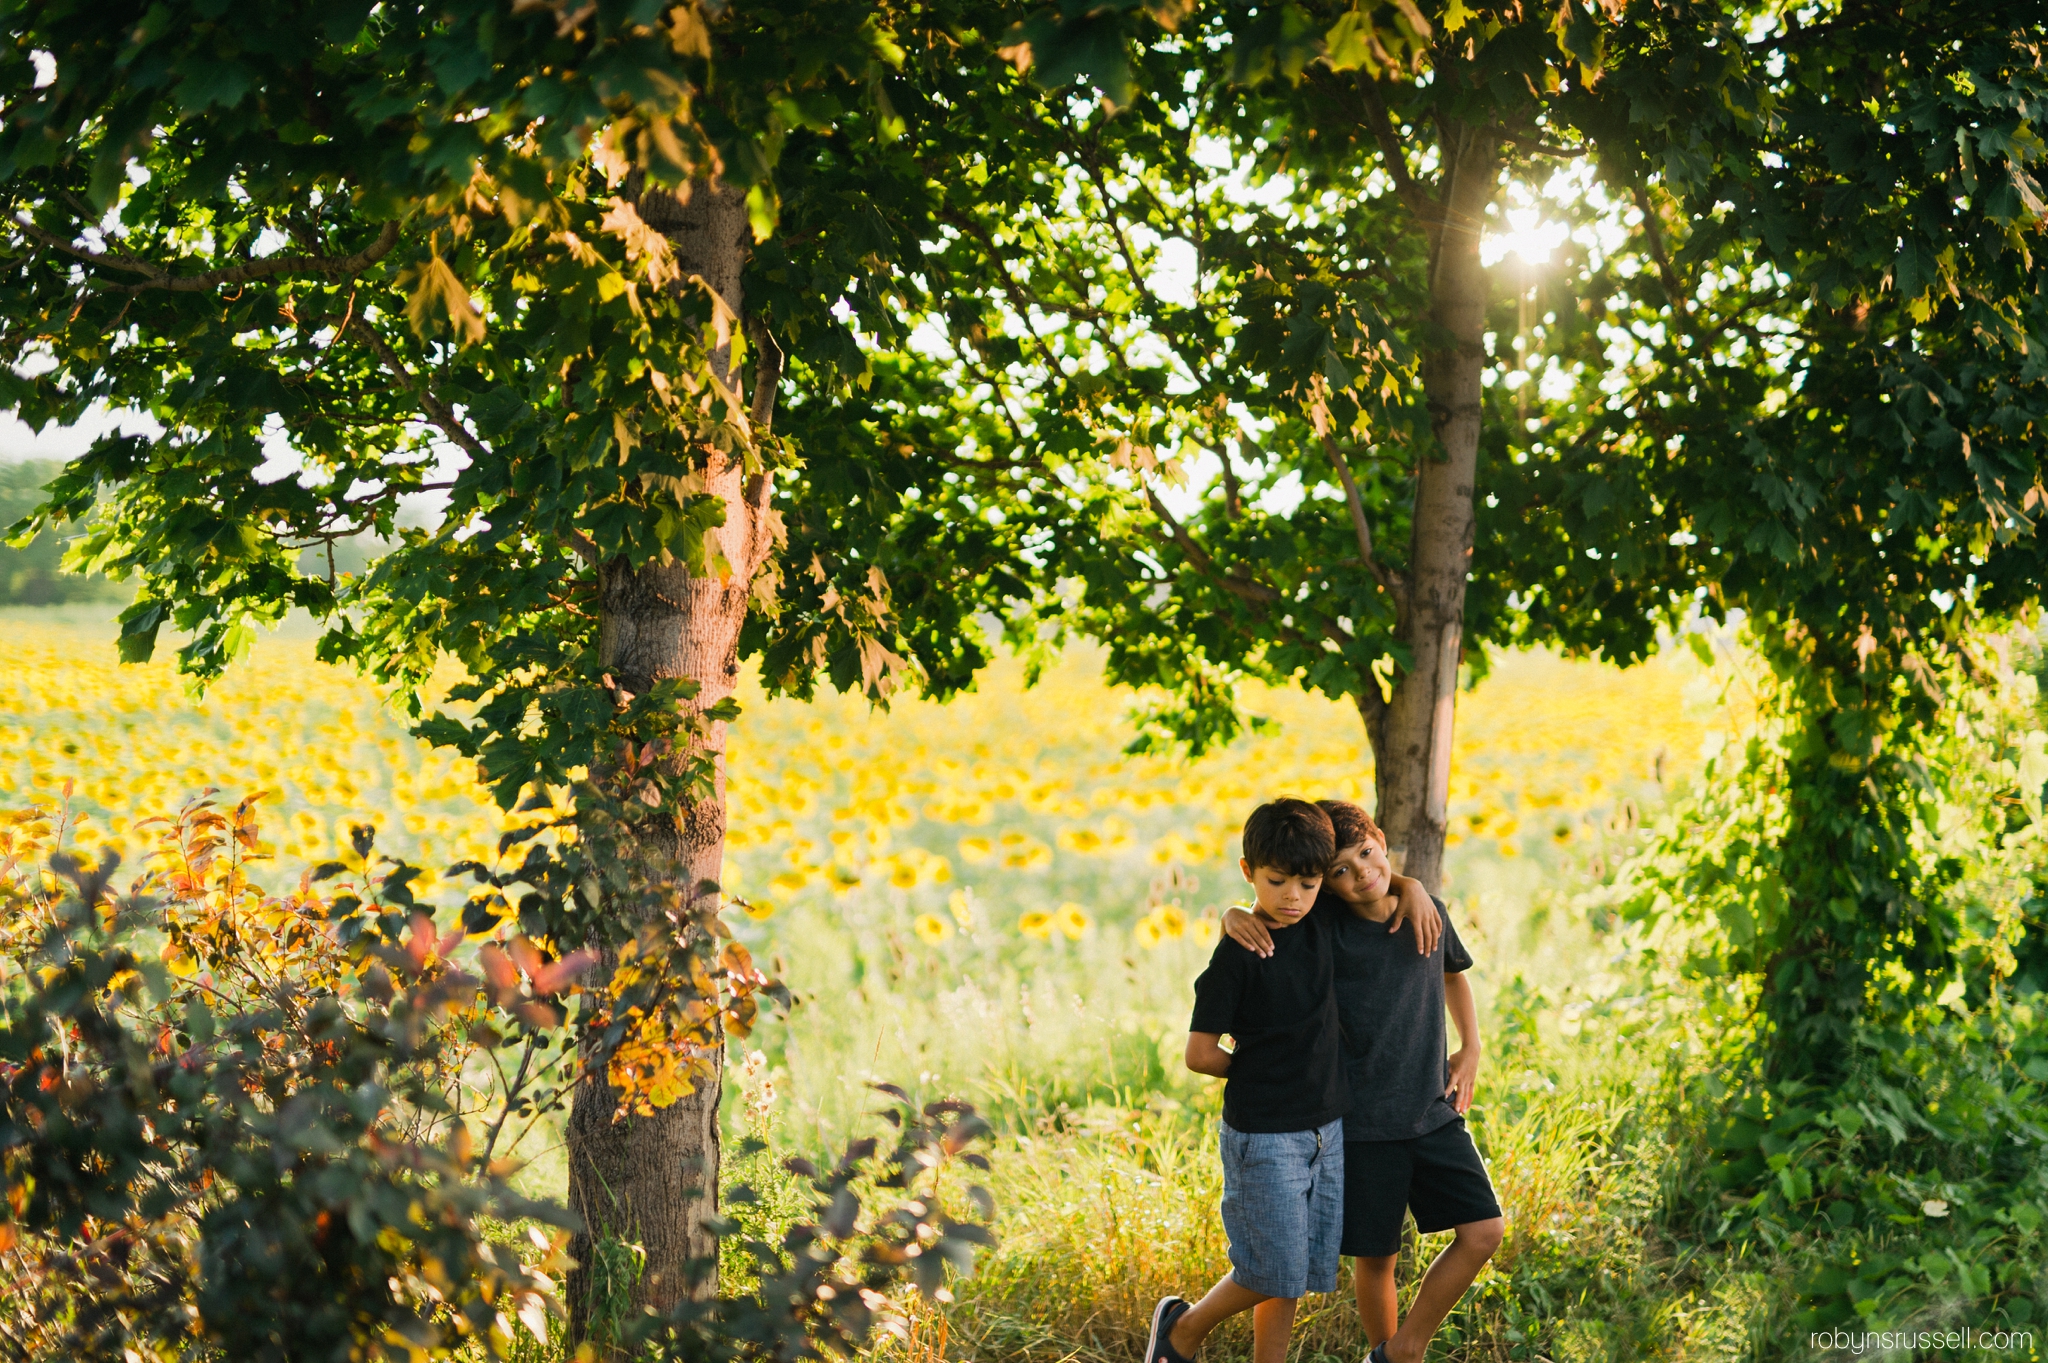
x=349, y=258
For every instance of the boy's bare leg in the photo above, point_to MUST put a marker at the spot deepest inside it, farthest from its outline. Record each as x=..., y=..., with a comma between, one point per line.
x=1222, y=1301
x=1379, y=1309
x=1272, y=1323
x=1445, y=1282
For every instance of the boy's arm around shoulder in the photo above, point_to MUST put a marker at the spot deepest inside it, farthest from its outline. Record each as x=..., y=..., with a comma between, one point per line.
x=1243, y=927
x=1417, y=907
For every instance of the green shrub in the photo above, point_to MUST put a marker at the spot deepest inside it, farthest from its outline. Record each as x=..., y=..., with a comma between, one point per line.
x=1870, y=1117
x=252, y=1126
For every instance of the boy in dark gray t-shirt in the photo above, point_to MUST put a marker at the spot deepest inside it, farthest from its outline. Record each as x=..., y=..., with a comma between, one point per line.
x=1405, y=1143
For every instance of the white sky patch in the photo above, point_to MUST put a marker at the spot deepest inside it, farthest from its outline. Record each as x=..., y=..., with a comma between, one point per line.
x=927, y=338
x=1286, y=494
x=1538, y=218
x=280, y=460
x=1173, y=274
x=1202, y=469
x=19, y=442
x=1557, y=384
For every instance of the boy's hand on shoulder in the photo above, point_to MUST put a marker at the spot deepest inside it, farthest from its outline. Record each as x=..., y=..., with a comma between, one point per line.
x=1418, y=908
x=1464, y=1078
x=1245, y=929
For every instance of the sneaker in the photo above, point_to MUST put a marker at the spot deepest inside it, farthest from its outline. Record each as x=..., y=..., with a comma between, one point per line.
x=1159, y=1345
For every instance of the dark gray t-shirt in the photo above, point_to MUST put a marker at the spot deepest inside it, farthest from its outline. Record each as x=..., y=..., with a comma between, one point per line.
x=1390, y=1002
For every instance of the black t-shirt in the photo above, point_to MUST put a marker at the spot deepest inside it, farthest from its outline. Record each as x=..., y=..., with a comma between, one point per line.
x=1391, y=1003
x=1287, y=1073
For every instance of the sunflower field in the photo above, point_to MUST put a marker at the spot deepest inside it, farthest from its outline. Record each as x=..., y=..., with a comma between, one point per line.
x=952, y=882
x=1019, y=800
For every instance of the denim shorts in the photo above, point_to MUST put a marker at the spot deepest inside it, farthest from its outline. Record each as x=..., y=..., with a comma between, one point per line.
x=1283, y=1208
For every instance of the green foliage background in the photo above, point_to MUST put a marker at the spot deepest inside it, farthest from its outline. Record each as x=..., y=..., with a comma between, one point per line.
x=1832, y=423
x=33, y=575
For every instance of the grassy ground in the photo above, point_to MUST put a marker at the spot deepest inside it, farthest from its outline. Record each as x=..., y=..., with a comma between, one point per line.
x=1107, y=1180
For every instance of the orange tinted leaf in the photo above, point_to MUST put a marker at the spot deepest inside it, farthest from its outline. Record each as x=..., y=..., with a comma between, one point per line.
x=504, y=976
x=552, y=978
x=528, y=956
x=735, y=957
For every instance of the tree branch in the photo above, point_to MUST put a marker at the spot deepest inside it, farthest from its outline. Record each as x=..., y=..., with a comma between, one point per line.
x=1010, y=288
x=1381, y=574
x=1078, y=307
x=584, y=547
x=268, y=267
x=1666, y=271
x=992, y=464
x=1537, y=144
x=1372, y=708
x=1257, y=594
x=1245, y=587
x=437, y=411
x=982, y=372
x=767, y=376
x=1382, y=124
x=1113, y=220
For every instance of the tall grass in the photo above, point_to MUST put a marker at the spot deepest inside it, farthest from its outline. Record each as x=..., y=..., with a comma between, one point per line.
x=1097, y=1225
x=1106, y=1173
x=1068, y=1027
x=1105, y=1170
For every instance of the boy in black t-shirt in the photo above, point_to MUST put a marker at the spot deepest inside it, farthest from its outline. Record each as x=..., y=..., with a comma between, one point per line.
x=1283, y=1096
x=1405, y=1143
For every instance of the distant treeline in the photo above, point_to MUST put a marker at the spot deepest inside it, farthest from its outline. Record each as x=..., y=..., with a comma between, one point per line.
x=32, y=576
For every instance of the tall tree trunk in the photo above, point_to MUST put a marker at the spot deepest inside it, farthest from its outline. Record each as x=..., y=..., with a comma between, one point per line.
x=1411, y=739
x=650, y=1181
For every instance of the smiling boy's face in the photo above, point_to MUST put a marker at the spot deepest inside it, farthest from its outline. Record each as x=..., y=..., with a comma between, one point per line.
x=1361, y=873
x=1281, y=897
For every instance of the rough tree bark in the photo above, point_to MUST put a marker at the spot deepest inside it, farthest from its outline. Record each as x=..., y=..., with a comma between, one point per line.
x=651, y=1181
x=1410, y=733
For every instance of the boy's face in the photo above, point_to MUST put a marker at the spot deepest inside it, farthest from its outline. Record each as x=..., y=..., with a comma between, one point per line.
x=1281, y=897
x=1361, y=874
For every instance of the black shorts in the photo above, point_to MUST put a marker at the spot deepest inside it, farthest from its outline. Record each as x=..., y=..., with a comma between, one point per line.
x=1439, y=1175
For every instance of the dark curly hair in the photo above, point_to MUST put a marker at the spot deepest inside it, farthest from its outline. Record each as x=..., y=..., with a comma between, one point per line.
x=1291, y=836
x=1352, y=823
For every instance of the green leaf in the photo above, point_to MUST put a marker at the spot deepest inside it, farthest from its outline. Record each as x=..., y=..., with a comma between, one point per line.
x=437, y=294
x=764, y=209
x=1349, y=44
x=139, y=626
x=214, y=81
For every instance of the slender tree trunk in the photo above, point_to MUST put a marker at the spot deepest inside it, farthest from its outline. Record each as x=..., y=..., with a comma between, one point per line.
x=650, y=1181
x=1411, y=739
